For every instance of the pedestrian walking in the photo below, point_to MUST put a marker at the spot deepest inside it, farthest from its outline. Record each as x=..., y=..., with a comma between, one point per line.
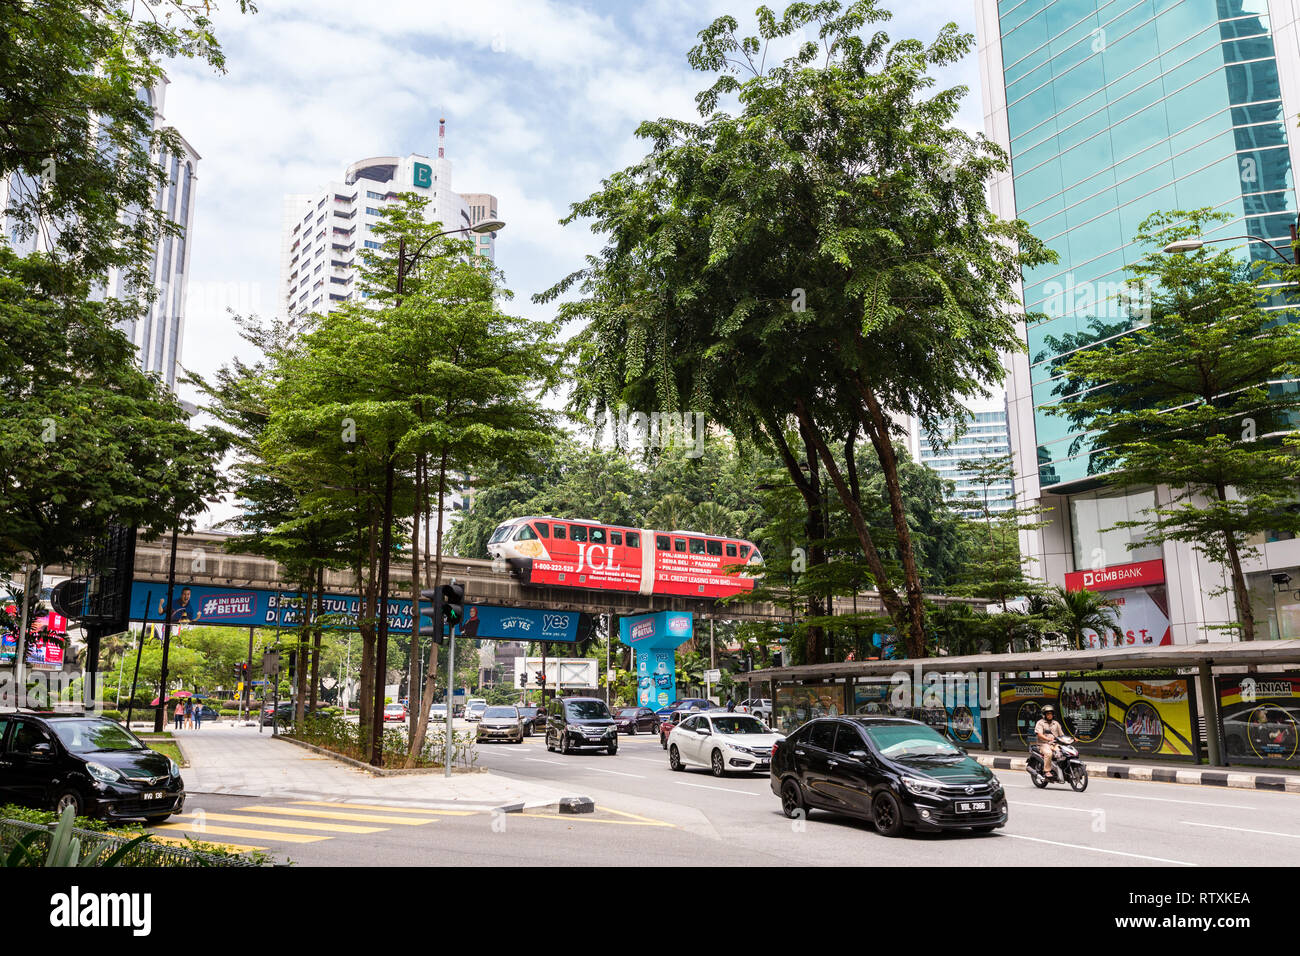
x=178, y=715
x=731, y=705
x=189, y=715
x=198, y=716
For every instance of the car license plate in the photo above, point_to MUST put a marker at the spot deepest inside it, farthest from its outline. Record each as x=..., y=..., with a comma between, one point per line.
x=972, y=806
x=157, y=795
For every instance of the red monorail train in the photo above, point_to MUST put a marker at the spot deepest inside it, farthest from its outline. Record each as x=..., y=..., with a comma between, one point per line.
x=589, y=554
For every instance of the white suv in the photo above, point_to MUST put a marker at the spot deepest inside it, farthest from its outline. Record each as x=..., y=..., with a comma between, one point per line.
x=760, y=707
x=474, y=708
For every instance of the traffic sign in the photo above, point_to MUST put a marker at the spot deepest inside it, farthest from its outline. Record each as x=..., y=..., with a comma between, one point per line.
x=712, y=676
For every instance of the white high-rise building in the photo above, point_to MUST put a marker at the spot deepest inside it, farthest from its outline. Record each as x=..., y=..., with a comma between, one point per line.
x=983, y=435
x=158, y=335
x=324, y=230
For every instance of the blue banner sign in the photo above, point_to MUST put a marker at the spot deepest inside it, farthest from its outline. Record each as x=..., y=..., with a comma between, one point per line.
x=252, y=607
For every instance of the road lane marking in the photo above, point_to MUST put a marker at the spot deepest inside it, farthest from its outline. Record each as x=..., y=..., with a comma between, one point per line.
x=543, y=760
x=334, y=815
x=238, y=832
x=290, y=824
x=663, y=761
x=1094, y=849
x=705, y=786
x=582, y=818
x=1216, y=826
x=1056, y=806
x=617, y=773
x=635, y=816
x=379, y=806
x=1198, y=803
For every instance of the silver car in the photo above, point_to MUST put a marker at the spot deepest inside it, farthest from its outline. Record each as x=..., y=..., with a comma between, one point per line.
x=501, y=723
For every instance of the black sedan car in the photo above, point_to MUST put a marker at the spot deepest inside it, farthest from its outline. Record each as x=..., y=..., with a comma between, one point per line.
x=894, y=772
x=92, y=764
x=634, y=720
x=534, y=719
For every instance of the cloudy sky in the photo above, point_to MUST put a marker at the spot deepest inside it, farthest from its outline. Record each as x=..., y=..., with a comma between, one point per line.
x=541, y=99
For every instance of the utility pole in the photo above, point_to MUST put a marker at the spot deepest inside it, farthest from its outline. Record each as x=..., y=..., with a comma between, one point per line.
x=167, y=630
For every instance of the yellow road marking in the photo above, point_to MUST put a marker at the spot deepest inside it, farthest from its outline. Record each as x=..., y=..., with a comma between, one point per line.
x=181, y=841
x=332, y=815
x=635, y=816
x=291, y=824
x=237, y=832
x=376, y=806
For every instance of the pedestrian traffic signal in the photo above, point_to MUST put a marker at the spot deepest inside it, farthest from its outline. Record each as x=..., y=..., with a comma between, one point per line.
x=453, y=604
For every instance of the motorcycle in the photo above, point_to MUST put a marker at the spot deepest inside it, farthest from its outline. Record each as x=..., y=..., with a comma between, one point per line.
x=1067, y=767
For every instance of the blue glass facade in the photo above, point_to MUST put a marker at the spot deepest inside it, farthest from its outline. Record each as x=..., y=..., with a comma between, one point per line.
x=1117, y=110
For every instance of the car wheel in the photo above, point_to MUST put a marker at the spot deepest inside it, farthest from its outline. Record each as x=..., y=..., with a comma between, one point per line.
x=70, y=798
x=675, y=759
x=631, y=731
x=887, y=814
x=719, y=768
x=549, y=748
x=613, y=748
x=792, y=800
x=565, y=746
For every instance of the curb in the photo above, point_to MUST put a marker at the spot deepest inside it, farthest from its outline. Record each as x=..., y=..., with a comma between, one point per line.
x=375, y=771
x=1208, y=777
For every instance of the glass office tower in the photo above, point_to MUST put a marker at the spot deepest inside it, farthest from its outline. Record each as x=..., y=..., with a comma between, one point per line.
x=1111, y=110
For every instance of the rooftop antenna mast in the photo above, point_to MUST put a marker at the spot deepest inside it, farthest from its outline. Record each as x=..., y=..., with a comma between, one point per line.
x=442, y=136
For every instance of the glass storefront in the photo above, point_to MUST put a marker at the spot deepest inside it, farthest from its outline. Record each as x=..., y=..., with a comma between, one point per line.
x=795, y=706
x=1275, y=598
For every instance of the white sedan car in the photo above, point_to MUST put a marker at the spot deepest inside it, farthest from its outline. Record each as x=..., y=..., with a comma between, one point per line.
x=722, y=742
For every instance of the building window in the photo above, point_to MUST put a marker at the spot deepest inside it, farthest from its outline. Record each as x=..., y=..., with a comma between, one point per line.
x=1097, y=542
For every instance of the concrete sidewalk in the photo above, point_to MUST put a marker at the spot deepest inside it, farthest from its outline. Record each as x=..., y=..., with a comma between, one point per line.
x=1244, y=778
x=237, y=760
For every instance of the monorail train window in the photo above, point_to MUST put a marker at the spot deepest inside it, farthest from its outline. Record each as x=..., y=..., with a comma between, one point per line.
x=661, y=542
x=500, y=534
x=526, y=533
x=578, y=533
x=731, y=550
x=616, y=537
x=597, y=535
x=679, y=544
x=697, y=546
x=714, y=548
x=559, y=531
x=744, y=550
x=634, y=540
x=544, y=529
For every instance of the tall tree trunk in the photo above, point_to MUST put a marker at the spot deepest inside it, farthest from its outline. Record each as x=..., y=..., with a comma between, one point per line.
x=366, y=628
x=876, y=424
x=415, y=694
x=810, y=490
x=381, y=639
x=422, y=726
x=303, y=635
x=1239, y=590
x=316, y=636
x=888, y=596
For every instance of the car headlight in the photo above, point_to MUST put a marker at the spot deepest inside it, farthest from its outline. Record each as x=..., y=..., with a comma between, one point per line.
x=995, y=784
x=573, y=728
x=733, y=746
x=921, y=786
x=174, y=767
x=103, y=773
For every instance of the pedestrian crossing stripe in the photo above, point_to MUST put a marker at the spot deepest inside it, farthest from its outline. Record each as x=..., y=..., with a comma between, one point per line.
x=182, y=841
x=205, y=831
x=290, y=824
x=376, y=806
x=337, y=815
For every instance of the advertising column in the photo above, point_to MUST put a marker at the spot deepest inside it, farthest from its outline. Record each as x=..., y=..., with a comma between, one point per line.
x=654, y=638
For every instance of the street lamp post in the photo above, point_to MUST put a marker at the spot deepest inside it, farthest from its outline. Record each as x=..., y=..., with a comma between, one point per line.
x=1193, y=243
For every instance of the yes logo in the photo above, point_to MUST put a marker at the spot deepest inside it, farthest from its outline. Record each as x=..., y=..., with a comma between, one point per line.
x=555, y=622
x=423, y=177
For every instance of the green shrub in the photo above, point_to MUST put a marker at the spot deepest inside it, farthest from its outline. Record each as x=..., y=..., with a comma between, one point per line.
x=113, y=715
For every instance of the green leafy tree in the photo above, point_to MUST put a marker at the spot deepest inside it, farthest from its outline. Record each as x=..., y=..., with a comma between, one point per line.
x=823, y=261
x=1201, y=397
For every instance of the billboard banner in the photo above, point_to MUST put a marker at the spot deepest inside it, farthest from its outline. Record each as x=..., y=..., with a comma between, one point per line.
x=656, y=676
x=251, y=607
x=1112, y=718
x=1260, y=718
x=795, y=705
x=664, y=629
x=949, y=710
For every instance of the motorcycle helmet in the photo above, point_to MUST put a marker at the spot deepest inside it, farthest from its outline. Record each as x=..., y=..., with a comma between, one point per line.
x=1048, y=709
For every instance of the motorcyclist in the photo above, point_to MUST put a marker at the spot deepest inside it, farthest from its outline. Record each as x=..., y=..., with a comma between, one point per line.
x=1046, y=731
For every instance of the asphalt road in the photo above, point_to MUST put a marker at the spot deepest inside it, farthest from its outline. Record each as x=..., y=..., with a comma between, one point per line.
x=649, y=815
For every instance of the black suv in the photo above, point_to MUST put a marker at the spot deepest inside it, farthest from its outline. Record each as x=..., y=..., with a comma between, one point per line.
x=573, y=722
x=92, y=764
x=891, y=771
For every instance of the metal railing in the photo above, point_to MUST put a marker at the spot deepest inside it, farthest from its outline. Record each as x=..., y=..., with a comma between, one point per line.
x=97, y=844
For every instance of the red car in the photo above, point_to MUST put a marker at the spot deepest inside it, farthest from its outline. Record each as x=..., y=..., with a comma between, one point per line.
x=672, y=720
x=395, y=712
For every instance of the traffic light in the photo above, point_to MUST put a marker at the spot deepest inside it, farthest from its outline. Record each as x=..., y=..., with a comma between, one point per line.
x=434, y=629
x=453, y=604
x=539, y=678
x=776, y=659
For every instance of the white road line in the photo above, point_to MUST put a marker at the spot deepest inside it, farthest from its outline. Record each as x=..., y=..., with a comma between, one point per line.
x=617, y=773
x=663, y=762
x=1079, y=846
x=1055, y=806
x=544, y=760
x=1198, y=803
x=705, y=786
x=1215, y=826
